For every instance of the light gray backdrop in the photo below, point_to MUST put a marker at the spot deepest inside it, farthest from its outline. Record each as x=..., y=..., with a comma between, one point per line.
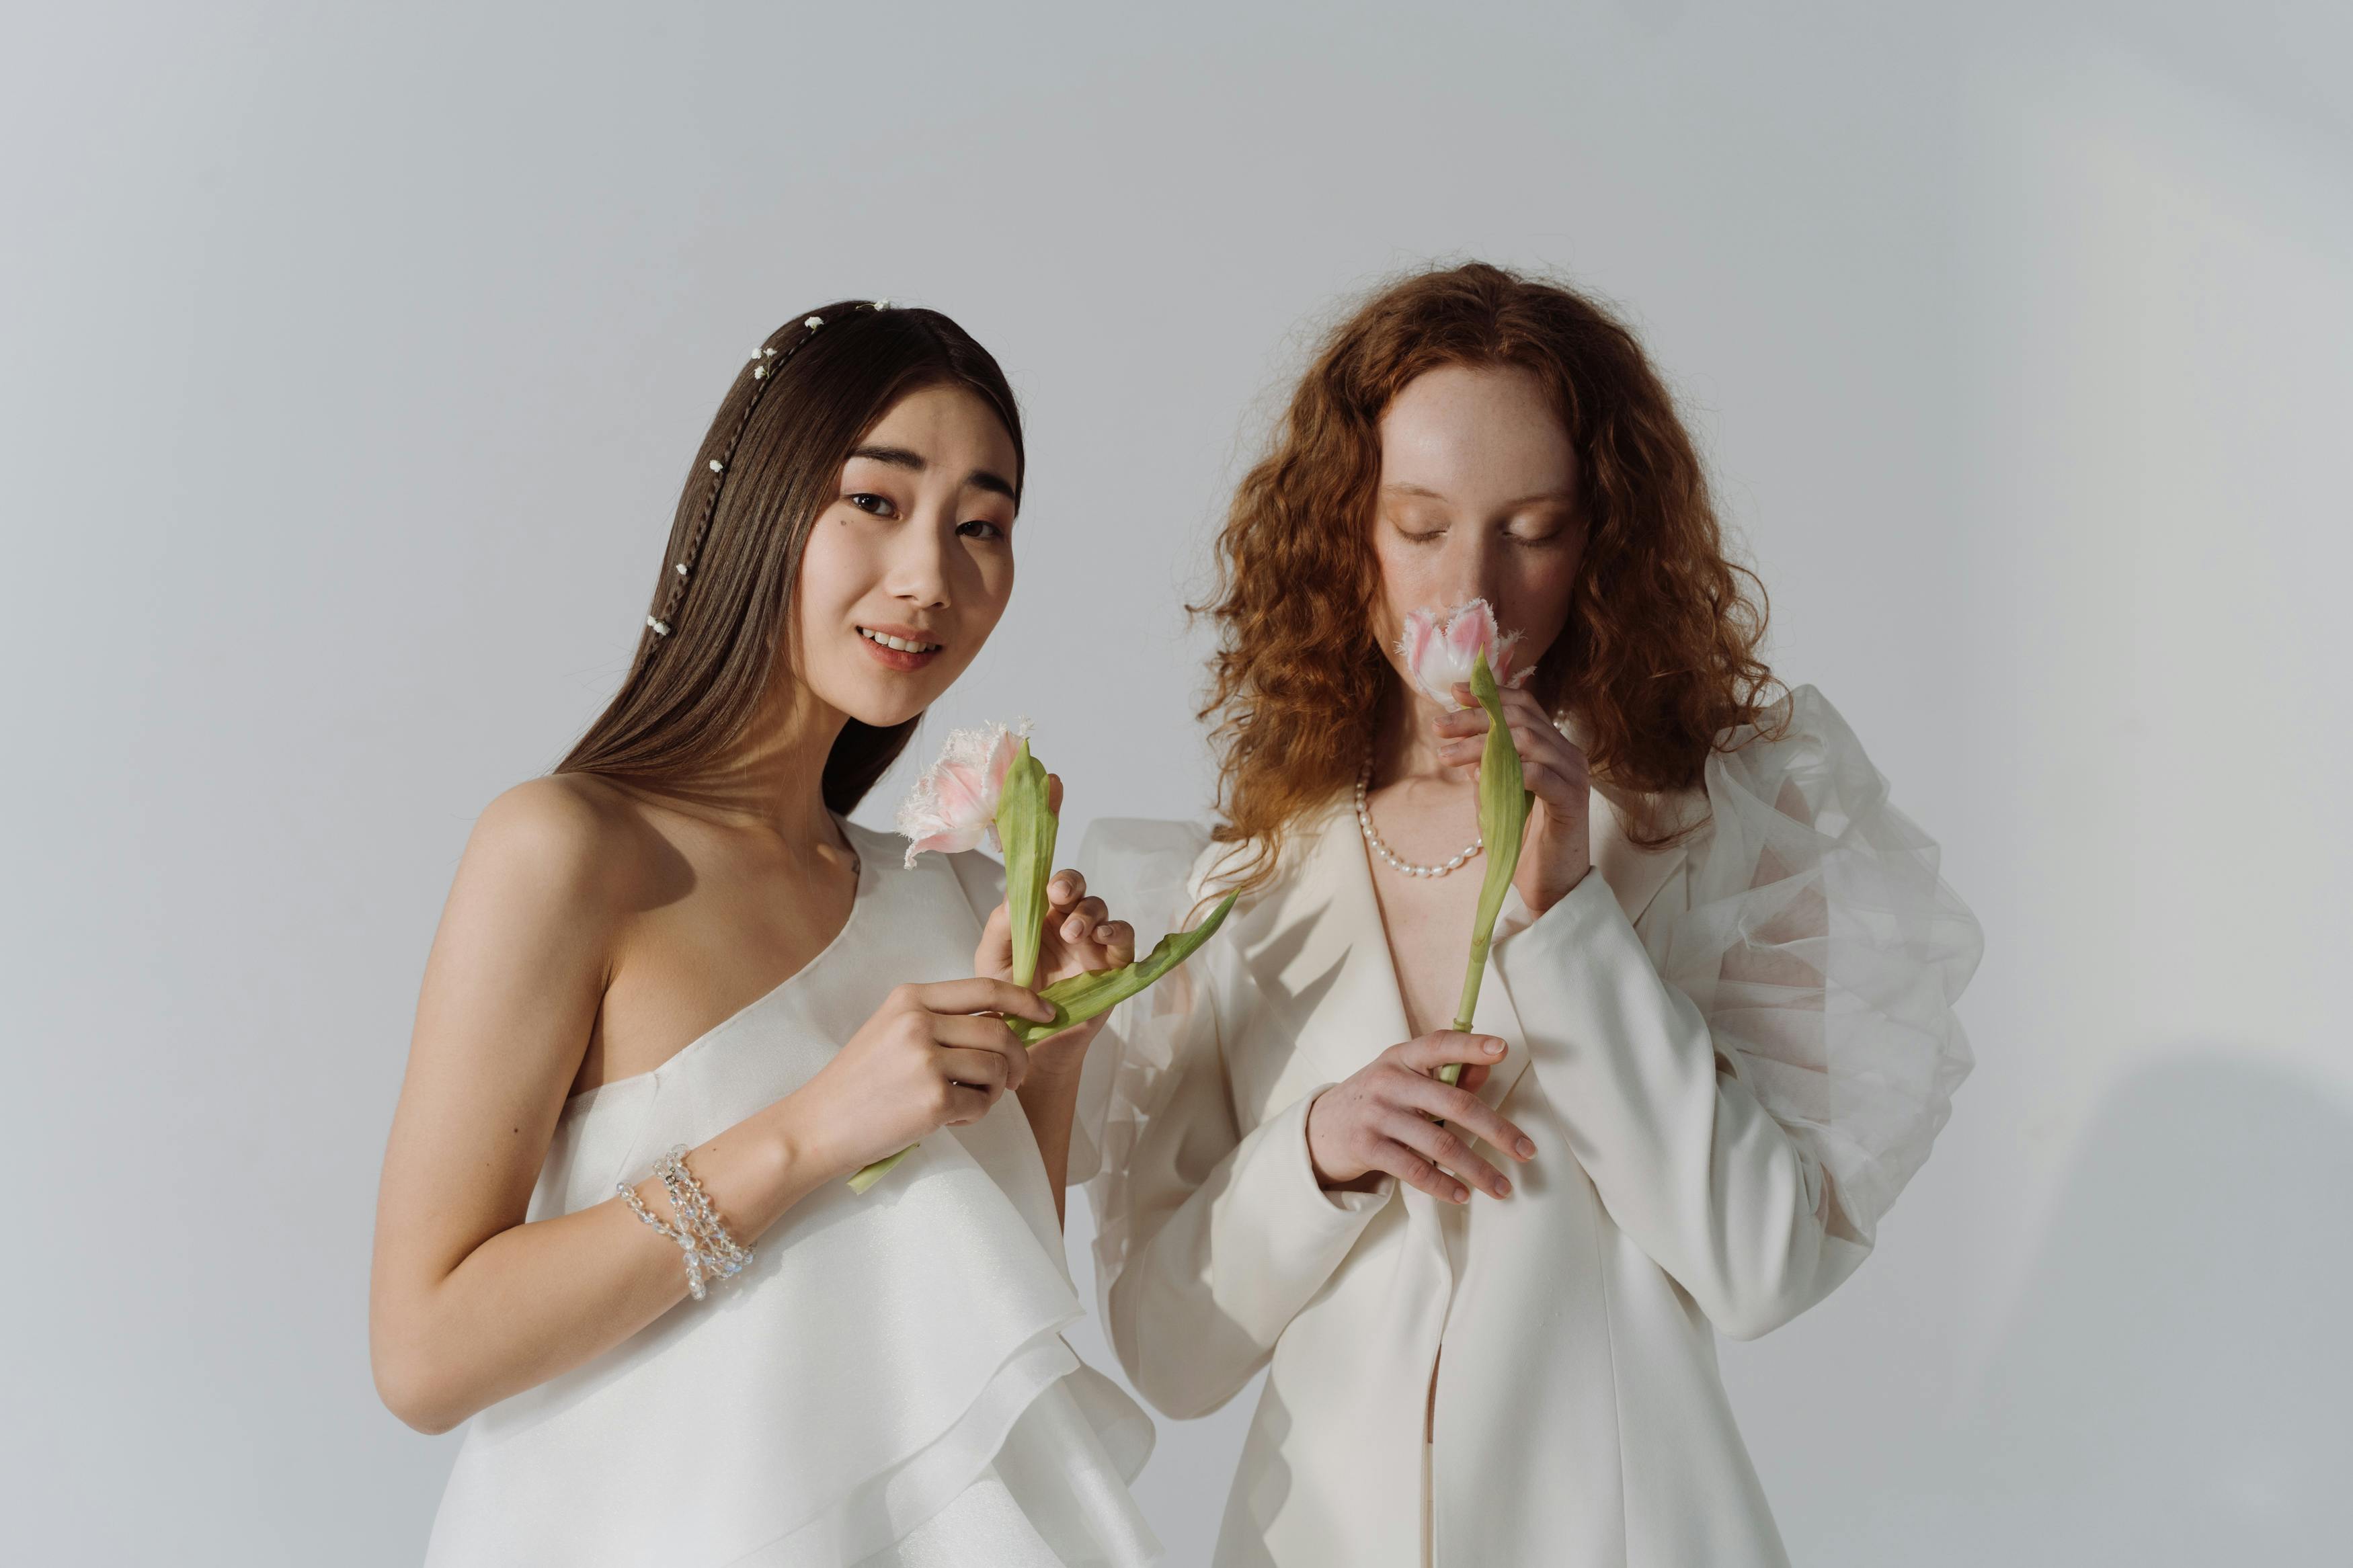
x=353, y=357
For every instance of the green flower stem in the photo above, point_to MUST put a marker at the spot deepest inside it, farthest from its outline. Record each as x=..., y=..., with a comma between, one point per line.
x=1504, y=803
x=1027, y=829
x=869, y=1174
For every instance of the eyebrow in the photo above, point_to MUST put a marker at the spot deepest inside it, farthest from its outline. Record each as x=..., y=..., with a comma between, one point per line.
x=916, y=462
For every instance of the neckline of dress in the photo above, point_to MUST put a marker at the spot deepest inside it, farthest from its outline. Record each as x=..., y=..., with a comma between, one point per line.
x=868, y=880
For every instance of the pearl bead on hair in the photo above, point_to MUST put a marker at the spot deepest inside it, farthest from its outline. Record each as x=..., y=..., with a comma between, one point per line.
x=718, y=466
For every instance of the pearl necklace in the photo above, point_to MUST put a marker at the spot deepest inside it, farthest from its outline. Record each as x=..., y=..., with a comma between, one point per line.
x=1365, y=821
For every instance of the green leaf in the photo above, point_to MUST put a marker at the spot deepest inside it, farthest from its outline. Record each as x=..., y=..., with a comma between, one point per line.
x=1083, y=997
x=1503, y=802
x=1026, y=829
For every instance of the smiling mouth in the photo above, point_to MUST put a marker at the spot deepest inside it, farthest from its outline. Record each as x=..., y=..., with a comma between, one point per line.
x=899, y=645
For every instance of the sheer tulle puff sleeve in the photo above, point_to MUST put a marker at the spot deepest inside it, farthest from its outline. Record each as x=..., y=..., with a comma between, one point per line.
x=1825, y=952
x=1142, y=870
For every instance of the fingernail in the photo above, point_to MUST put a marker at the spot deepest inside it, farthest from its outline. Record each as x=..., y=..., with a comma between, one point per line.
x=1503, y=1189
x=1527, y=1150
x=1494, y=1048
x=1462, y=1195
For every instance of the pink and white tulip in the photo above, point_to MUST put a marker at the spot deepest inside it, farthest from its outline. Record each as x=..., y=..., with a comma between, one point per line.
x=1439, y=646
x=953, y=807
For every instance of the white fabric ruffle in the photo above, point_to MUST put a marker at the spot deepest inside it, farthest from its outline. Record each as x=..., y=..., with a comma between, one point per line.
x=1147, y=873
x=887, y=1384
x=1825, y=952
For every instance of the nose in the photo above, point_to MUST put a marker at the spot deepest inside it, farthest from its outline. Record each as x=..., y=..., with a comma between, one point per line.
x=1471, y=564
x=919, y=566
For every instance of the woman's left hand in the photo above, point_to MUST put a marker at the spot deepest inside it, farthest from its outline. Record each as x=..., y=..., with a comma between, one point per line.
x=1558, y=849
x=1079, y=938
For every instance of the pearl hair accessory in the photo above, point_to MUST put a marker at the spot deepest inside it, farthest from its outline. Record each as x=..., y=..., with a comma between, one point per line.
x=1365, y=821
x=769, y=358
x=701, y=1236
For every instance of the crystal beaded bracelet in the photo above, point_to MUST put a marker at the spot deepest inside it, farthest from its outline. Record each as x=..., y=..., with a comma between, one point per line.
x=701, y=1238
x=691, y=1205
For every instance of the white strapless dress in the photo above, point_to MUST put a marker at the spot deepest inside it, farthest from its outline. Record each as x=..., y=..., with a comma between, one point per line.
x=887, y=1384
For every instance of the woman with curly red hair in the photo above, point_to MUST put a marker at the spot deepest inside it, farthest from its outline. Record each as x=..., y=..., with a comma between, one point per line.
x=1716, y=1036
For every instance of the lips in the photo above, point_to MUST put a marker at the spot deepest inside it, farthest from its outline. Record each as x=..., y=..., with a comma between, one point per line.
x=901, y=648
x=898, y=643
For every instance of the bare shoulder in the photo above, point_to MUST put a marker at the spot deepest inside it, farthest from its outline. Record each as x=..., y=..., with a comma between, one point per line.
x=560, y=823
x=566, y=843
x=528, y=937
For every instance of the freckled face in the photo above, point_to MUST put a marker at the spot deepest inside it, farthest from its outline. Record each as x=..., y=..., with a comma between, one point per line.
x=1477, y=499
x=908, y=570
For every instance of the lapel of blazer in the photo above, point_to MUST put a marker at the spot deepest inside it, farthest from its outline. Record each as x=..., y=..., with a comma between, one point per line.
x=1320, y=958
x=1634, y=874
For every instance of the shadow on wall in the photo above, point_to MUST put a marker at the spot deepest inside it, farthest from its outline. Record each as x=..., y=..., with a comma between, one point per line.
x=2175, y=1387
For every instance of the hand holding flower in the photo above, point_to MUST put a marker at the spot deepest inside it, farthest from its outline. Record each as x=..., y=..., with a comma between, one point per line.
x=1462, y=653
x=931, y=1056
x=988, y=786
x=1079, y=938
x=1557, y=850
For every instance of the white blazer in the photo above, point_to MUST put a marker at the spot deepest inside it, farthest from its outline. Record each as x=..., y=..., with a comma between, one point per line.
x=1732, y=1055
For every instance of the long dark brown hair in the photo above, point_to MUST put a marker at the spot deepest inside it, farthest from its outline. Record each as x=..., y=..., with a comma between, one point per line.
x=770, y=464
x=1660, y=655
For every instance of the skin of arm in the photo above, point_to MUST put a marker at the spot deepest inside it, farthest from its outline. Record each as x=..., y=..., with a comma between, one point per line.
x=468, y=1304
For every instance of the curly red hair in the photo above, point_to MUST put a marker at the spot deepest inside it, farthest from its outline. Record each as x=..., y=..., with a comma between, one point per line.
x=1660, y=654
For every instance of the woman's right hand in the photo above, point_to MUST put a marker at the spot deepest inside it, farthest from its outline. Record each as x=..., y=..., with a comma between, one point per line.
x=1384, y=1120
x=932, y=1055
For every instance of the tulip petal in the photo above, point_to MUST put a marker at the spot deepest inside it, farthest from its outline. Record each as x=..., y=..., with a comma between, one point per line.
x=953, y=805
x=945, y=842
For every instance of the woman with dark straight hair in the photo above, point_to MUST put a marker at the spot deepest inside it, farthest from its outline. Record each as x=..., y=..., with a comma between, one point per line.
x=677, y=998
x=1714, y=1035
